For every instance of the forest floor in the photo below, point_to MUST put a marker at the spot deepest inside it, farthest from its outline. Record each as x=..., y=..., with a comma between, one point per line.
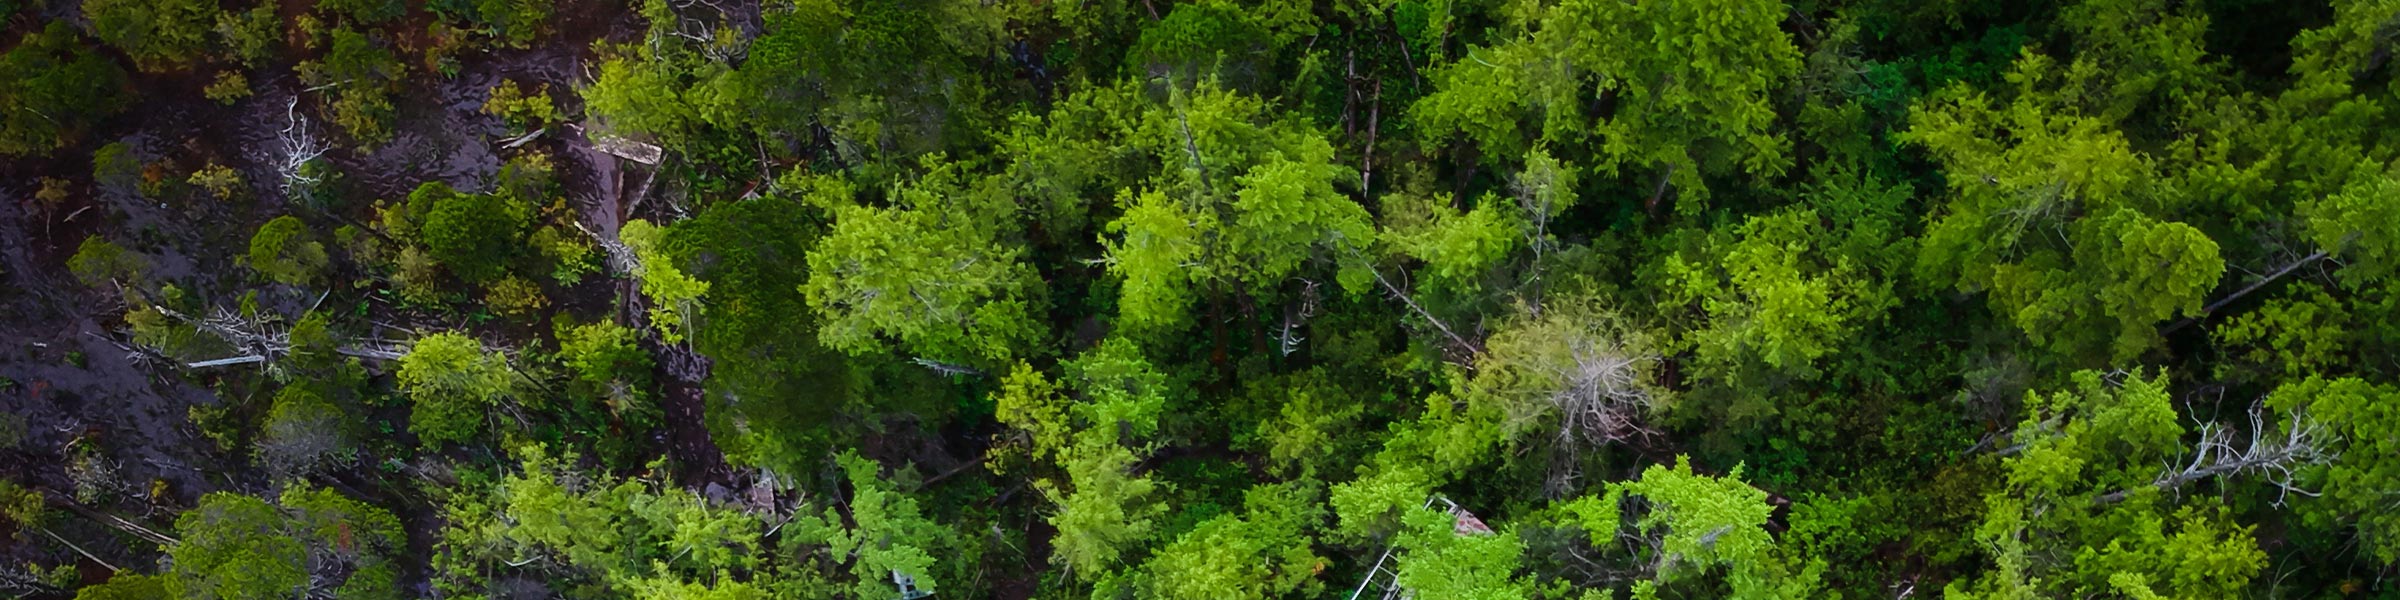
x=68, y=374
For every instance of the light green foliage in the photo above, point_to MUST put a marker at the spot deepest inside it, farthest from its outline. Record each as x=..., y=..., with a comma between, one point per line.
x=1103, y=509
x=1458, y=249
x=600, y=534
x=513, y=296
x=1770, y=296
x=126, y=586
x=1438, y=561
x=1102, y=506
x=571, y=254
x=285, y=251
x=98, y=263
x=2307, y=331
x=1263, y=553
x=2356, y=224
x=674, y=295
x=159, y=36
x=1158, y=256
x=1241, y=204
x=1033, y=405
x=521, y=110
x=236, y=546
x=452, y=383
x=931, y=276
x=1373, y=506
x=638, y=97
x=1286, y=206
x=22, y=507
x=1316, y=419
x=1704, y=526
x=885, y=533
x=57, y=89
x=609, y=365
x=1689, y=80
x=248, y=36
x=2085, y=508
x=221, y=181
x=2355, y=489
x=362, y=74
x=2053, y=218
x=516, y=22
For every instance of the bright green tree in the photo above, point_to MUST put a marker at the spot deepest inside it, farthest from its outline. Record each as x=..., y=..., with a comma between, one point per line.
x=932, y=276
x=2085, y=506
x=452, y=383
x=674, y=295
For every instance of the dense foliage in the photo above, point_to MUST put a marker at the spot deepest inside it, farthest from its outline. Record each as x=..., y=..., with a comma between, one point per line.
x=1223, y=299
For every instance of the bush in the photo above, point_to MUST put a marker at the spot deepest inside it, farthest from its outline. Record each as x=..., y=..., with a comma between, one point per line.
x=474, y=235
x=229, y=87
x=220, y=181
x=513, y=296
x=98, y=262
x=284, y=251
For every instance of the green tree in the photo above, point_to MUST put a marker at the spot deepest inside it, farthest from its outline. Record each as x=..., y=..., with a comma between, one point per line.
x=1438, y=560
x=608, y=364
x=2354, y=489
x=159, y=36
x=2084, y=507
x=633, y=96
x=97, y=262
x=365, y=12
x=126, y=586
x=933, y=275
x=1240, y=204
x=249, y=36
x=1699, y=528
x=236, y=546
x=1689, y=83
x=753, y=256
x=594, y=534
x=885, y=533
x=1091, y=446
x=54, y=89
x=284, y=251
x=1262, y=553
x=452, y=383
x=476, y=236
x=516, y=22
x=363, y=75
x=2055, y=219
x=674, y=295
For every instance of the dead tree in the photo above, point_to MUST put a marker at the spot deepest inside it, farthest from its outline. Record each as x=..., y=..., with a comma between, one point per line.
x=2266, y=453
x=299, y=148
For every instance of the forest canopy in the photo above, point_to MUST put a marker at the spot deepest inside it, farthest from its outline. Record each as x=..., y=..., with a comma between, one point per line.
x=1222, y=299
